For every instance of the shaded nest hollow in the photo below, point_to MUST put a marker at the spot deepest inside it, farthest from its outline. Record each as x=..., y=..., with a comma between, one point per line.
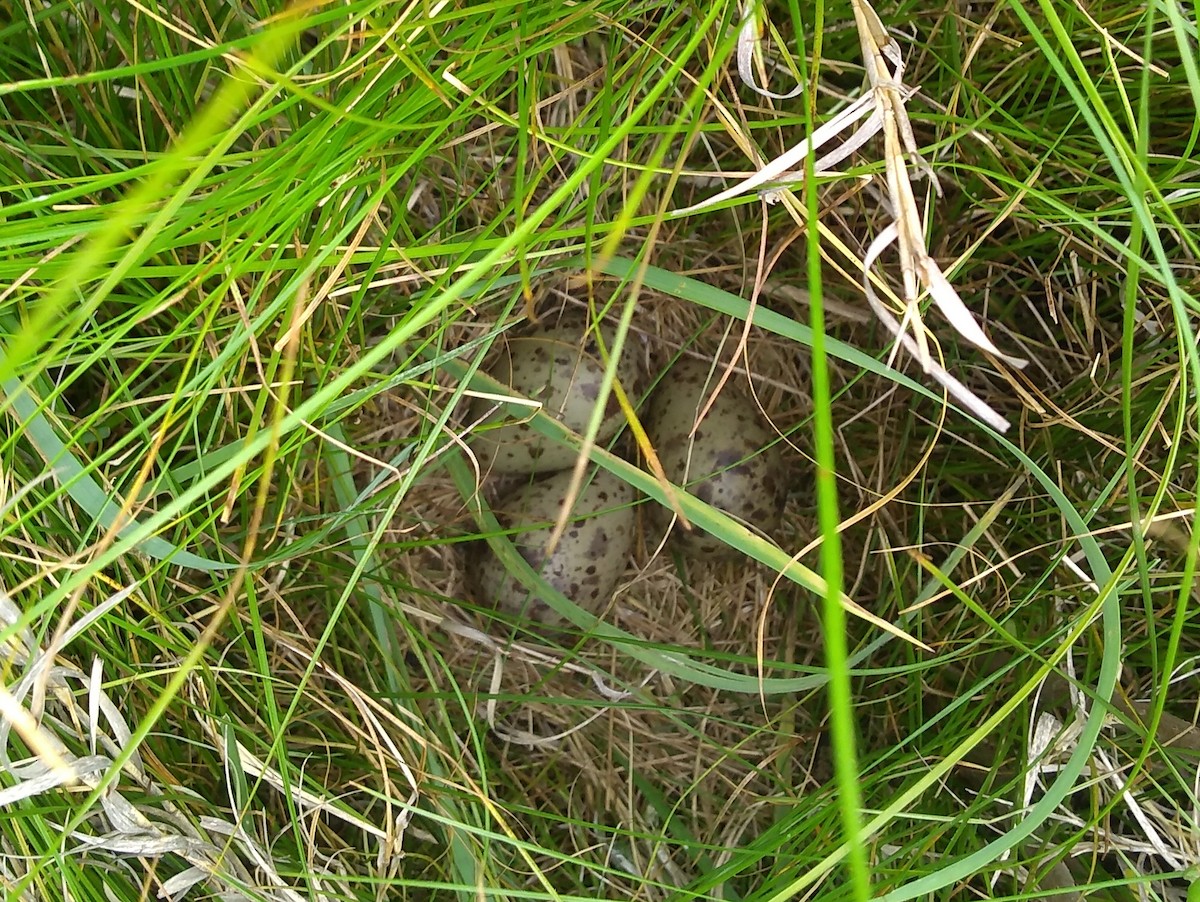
x=580, y=707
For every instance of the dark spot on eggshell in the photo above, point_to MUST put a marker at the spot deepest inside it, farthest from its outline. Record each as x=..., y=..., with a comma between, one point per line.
x=598, y=541
x=728, y=460
x=591, y=554
x=533, y=556
x=555, y=367
x=731, y=462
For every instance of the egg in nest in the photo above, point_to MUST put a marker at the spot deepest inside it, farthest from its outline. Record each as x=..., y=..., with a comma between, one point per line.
x=733, y=462
x=589, y=558
x=560, y=367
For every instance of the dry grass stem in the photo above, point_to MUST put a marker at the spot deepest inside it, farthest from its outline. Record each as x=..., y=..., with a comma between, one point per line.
x=884, y=106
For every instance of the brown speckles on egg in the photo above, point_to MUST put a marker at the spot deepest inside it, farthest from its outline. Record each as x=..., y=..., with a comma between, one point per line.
x=590, y=557
x=726, y=465
x=561, y=368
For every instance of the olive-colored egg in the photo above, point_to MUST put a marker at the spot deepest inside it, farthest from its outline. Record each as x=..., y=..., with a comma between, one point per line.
x=727, y=464
x=589, y=558
x=560, y=367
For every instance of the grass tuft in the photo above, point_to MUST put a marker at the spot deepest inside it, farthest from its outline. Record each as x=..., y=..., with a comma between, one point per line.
x=253, y=260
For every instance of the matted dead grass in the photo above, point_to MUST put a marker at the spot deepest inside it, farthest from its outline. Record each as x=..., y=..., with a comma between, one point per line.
x=571, y=726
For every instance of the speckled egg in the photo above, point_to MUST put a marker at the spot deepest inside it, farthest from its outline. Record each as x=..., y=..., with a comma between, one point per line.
x=725, y=464
x=560, y=367
x=589, y=558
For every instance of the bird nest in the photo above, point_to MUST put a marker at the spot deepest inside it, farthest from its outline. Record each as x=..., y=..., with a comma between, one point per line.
x=591, y=737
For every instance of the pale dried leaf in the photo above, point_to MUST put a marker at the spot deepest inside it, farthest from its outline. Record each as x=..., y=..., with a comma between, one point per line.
x=747, y=43
x=956, y=311
x=177, y=886
x=43, y=779
x=959, y=392
x=1153, y=837
x=123, y=816
x=142, y=844
x=786, y=162
x=1044, y=732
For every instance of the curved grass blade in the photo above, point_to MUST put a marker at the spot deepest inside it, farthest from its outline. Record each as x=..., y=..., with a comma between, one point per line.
x=1106, y=605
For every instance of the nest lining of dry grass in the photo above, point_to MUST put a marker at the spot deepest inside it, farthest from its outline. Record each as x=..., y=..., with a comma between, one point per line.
x=569, y=724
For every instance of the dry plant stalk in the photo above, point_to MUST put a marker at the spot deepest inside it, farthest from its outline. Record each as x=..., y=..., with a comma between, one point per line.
x=53, y=707
x=883, y=106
